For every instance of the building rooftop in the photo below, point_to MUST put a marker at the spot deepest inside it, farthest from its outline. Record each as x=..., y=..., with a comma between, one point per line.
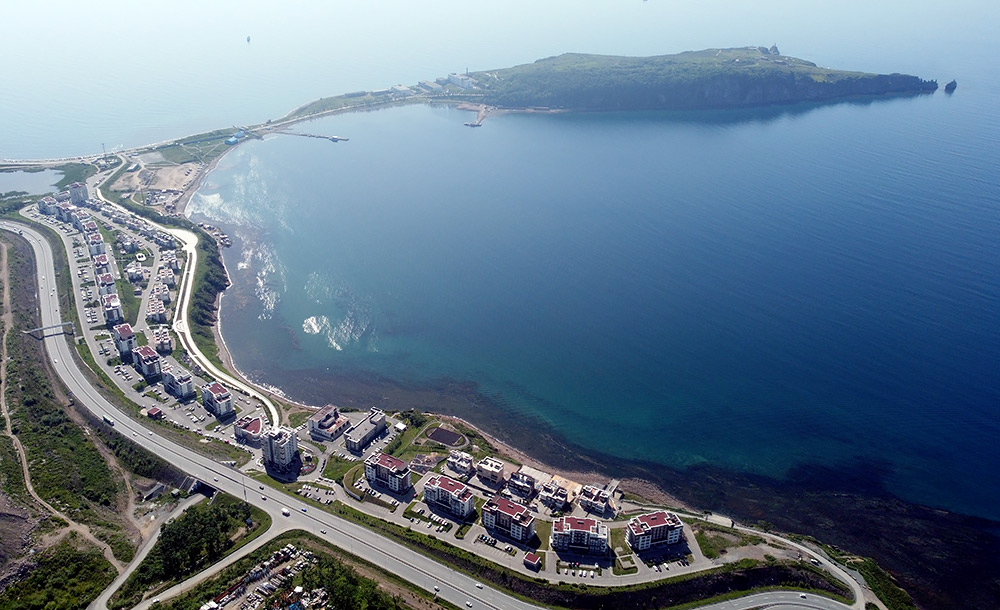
x=325, y=417
x=253, y=425
x=217, y=390
x=387, y=461
x=365, y=427
x=491, y=463
x=124, y=331
x=280, y=435
x=449, y=485
x=653, y=520
x=579, y=524
x=512, y=509
x=146, y=353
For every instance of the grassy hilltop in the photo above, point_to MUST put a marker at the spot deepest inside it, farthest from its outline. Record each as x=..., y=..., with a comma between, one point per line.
x=713, y=78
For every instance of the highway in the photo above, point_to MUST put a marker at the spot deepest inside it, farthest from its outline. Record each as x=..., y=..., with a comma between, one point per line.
x=455, y=587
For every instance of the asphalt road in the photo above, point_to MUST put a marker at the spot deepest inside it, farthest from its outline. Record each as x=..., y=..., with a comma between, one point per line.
x=455, y=587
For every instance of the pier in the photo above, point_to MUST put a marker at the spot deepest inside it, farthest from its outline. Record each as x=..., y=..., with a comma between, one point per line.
x=482, y=111
x=310, y=135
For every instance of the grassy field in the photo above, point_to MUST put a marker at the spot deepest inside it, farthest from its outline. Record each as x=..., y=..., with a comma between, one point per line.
x=337, y=467
x=106, y=191
x=714, y=540
x=543, y=530
x=624, y=565
x=74, y=172
x=353, y=475
x=201, y=148
x=297, y=418
x=618, y=539
x=342, y=102
x=130, y=302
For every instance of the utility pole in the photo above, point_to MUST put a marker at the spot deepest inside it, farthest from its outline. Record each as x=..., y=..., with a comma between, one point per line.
x=104, y=149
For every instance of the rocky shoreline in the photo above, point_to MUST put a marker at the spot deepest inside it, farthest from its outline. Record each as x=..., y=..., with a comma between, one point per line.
x=944, y=560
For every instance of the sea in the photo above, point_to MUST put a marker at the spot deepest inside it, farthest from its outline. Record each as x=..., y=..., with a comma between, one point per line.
x=757, y=290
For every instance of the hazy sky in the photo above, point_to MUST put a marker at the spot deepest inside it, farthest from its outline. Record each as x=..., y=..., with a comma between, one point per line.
x=185, y=65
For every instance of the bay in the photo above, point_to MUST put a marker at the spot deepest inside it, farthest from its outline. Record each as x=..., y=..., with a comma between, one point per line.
x=758, y=291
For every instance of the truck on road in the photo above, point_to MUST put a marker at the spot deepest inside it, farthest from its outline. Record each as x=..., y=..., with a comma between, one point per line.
x=109, y=421
x=285, y=512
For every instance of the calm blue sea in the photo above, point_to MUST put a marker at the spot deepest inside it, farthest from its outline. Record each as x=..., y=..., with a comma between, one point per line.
x=752, y=290
x=756, y=290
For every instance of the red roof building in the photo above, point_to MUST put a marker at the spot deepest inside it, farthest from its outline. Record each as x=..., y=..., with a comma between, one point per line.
x=217, y=399
x=147, y=361
x=651, y=529
x=386, y=470
x=249, y=429
x=583, y=535
x=509, y=518
x=124, y=337
x=106, y=284
x=450, y=495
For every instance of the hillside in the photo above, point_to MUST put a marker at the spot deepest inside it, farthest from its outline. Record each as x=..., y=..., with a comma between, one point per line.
x=713, y=78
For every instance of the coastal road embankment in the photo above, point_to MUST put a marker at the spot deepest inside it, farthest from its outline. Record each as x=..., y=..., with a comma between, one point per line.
x=189, y=241
x=186, y=288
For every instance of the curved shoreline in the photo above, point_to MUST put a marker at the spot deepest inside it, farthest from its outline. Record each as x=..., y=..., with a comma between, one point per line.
x=809, y=518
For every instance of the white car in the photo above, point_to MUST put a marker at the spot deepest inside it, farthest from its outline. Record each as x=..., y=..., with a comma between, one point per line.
x=479, y=585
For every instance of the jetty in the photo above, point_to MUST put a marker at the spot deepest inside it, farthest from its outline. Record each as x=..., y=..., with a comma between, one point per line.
x=482, y=111
x=312, y=135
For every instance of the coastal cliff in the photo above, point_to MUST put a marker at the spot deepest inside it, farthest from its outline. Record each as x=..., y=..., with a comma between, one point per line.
x=713, y=78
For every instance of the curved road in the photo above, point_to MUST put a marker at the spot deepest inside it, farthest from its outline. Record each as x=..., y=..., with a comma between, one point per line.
x=455, y=587
x=184, y=291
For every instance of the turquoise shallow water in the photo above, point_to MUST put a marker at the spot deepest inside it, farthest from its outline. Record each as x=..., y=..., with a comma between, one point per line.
x=755, y=290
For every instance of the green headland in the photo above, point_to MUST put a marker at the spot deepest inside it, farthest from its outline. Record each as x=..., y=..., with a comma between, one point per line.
x=712, y=78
